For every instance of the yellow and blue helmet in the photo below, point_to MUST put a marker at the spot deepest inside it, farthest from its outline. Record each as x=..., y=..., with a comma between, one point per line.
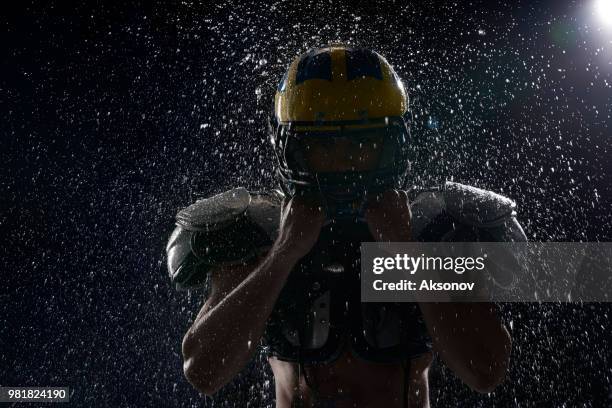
x=340, y=91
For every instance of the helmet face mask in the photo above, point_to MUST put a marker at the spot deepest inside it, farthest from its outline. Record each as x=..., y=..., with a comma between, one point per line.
x=334, y=151
x=340, y=135
x=342, y=162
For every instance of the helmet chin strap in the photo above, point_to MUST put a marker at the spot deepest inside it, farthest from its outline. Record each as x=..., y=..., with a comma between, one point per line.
x=345, y=203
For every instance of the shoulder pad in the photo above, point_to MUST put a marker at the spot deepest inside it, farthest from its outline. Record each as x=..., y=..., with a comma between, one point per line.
x=491, y=215
x=466, y=204
x=215, y=212
x=228, y=228
x=264, y=211
x=225, y=209
x=476, y=206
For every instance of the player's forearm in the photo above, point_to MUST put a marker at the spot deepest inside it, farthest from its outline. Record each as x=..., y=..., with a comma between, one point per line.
x=471, y=340
x=222, y=340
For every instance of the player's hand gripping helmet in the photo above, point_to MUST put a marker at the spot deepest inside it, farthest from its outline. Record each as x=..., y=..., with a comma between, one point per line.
x=338, y=126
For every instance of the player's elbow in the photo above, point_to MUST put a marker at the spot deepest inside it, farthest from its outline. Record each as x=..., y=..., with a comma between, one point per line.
x=485, y=383
x=201, y=379
x=487, y=375
x=197, y=370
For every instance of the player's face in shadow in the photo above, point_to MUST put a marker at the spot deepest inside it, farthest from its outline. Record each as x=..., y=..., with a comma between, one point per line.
x=340, y=154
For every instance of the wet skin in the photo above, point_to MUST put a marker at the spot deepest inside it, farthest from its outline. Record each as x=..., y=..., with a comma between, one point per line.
x=469, y=338
x=351, y=382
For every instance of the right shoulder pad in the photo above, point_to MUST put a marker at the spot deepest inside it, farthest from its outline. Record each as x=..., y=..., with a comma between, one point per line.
x=229, y=228
x=215, y=212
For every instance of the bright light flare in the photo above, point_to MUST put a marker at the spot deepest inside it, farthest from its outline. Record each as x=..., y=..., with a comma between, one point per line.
x=603, y=11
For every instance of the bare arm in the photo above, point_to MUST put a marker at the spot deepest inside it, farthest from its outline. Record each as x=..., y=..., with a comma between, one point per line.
x=225, y=334
x=469, y=337
x=471, y=340
x=227, y=330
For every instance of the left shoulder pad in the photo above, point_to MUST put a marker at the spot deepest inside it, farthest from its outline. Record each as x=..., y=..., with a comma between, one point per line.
x=455, y=211
x=468, y=206
x=465, y=204
x=475, y=206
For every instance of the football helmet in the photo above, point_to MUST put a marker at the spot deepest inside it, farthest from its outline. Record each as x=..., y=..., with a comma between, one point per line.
x=350, y=101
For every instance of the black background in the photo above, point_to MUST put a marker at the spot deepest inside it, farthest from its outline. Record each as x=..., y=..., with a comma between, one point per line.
x=114, y=116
